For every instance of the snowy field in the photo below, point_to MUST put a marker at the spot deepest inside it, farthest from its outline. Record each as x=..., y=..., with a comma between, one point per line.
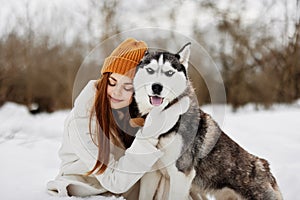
x=29, y=145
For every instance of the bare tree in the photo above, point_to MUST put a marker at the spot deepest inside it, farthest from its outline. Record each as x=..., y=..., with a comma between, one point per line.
x=256, y=66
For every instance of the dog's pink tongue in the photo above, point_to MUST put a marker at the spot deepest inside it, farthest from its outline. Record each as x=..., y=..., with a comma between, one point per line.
x=156, y=101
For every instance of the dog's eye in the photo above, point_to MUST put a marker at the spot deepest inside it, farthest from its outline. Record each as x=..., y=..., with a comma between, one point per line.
x=150, y=71
x=169, y=73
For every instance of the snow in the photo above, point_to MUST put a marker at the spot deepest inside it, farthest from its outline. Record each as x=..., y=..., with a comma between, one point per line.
x=29, y=145
x=28, y=152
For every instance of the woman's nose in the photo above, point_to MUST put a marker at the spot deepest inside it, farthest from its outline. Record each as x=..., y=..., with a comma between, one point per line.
x=117, y=91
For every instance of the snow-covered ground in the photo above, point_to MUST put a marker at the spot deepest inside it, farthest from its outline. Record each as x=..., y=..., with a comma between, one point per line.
x=29, y=145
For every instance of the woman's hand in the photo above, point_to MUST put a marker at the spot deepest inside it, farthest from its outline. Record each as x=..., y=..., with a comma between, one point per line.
x=160, y=121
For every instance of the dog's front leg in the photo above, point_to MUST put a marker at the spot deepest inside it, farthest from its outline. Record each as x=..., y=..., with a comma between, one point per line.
x=149, y=185
x=180, y=183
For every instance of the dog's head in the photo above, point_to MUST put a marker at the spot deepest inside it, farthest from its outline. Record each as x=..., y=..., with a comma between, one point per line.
x=160, y=78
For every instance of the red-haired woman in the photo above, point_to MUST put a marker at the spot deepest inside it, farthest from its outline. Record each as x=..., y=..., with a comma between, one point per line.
x=101, y=153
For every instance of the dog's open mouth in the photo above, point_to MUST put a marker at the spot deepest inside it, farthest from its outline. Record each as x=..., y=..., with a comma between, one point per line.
x=155, y=100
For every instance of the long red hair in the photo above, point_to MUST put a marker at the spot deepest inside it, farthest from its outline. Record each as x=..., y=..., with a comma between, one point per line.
x=107, y=129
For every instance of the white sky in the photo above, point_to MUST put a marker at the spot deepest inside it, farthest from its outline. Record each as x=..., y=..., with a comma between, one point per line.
x=70, y=17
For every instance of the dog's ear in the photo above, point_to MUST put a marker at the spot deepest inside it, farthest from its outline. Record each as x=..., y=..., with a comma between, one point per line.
x=146, y=52
x=184, y=54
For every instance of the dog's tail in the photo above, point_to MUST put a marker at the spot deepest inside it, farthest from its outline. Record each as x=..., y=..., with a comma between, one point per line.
x=273, y=192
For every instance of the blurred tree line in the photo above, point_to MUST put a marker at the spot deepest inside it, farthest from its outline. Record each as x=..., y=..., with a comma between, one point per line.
x=37, y=74
x=256, y=68
x=39, y=71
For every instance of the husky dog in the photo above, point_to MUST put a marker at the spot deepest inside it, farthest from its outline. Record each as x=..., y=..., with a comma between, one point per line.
x=198, y=155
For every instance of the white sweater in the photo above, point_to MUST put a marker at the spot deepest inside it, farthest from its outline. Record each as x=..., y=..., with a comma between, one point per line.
x=79, y=154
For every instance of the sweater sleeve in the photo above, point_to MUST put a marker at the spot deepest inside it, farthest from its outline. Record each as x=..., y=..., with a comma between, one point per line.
x=121, y=174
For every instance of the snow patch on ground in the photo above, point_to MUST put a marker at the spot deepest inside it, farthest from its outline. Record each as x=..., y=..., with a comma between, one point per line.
x=29, y=146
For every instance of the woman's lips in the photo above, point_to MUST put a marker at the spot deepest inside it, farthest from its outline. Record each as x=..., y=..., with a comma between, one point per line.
x=115, y=100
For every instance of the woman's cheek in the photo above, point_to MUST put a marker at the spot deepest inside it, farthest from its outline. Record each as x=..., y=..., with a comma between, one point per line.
x=129, y=96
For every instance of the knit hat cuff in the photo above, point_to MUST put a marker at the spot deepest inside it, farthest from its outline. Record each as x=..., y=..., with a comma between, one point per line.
x=125, y=58
x=119, y=65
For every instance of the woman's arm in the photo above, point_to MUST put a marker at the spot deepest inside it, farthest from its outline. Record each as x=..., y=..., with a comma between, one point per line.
x=120, y=175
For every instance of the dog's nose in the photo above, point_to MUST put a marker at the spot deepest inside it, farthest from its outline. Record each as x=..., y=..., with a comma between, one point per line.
x=157, y=88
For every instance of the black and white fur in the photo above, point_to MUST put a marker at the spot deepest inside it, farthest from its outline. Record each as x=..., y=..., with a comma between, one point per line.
x=198, y=155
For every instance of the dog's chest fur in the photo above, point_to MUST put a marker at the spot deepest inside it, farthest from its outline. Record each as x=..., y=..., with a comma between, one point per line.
x=171, y=146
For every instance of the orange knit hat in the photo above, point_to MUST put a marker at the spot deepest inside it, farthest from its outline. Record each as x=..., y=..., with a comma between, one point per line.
x=125, y=58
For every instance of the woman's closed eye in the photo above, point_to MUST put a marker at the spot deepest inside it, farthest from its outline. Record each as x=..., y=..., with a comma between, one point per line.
x=112, y=82
x=128, y=88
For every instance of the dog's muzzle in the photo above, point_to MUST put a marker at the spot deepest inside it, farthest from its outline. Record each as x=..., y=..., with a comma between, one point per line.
x=157, y=88
x=155, y=99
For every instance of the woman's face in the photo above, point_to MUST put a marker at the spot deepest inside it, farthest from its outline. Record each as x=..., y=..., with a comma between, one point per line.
x=119, y=90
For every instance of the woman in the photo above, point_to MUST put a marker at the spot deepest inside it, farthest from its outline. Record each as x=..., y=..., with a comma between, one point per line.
x=101, y=153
